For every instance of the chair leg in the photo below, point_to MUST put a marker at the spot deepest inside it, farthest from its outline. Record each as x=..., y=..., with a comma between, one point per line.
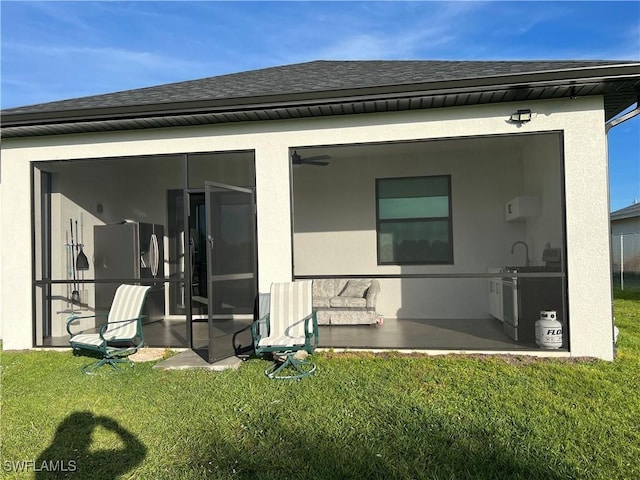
x=303, y=368
x=91, y=368
x=112, y=361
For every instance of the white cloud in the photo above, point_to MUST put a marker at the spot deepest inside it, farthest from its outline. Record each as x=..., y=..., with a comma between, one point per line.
x=69, y=71
x=59, y=13
x=381, y=30
x=383, y=46
x=110, y=58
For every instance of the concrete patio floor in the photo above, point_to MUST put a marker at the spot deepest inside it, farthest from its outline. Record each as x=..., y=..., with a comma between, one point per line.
x=190, y=359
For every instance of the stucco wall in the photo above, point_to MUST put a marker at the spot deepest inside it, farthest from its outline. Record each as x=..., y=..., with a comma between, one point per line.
x=1, y=296
x=586, y=171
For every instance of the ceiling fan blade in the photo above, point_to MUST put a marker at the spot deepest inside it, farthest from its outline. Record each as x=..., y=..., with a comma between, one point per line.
x=318, y=160
x=308, y=161
x=317, y=157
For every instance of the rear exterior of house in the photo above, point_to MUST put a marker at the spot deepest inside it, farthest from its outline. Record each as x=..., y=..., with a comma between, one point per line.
x=459, y=186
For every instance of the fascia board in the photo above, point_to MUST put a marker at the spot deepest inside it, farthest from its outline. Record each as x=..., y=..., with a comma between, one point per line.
x=328, y=97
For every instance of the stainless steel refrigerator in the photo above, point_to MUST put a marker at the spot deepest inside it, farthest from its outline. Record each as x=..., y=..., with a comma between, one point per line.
x=130, y=252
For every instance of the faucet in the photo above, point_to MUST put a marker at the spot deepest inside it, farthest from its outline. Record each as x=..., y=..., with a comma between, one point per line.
x=526, y=250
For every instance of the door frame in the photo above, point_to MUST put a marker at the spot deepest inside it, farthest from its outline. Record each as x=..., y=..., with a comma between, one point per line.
x=209, y=187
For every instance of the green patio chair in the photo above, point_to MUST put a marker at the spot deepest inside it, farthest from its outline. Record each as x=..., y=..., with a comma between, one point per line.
x=120, y=336
x=290, y=327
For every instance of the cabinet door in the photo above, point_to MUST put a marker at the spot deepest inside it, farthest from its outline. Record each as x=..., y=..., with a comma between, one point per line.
x=498, y=300
x=521, y=208
x=491, y=297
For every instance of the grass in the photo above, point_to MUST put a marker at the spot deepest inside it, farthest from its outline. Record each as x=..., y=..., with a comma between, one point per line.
x=361, y=416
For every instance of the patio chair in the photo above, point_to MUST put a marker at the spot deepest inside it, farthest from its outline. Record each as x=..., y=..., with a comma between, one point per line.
x=290, y=327
x=120, y=336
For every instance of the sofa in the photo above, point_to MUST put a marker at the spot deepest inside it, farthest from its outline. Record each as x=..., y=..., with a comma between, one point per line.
x=345, y=302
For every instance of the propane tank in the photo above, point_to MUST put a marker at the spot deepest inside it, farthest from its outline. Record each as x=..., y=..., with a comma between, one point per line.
x=548, y=330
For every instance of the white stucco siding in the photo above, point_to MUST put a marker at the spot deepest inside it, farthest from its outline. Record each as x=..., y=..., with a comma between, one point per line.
x=1, y=297
x=585, y=155
x=588, y=241
x=16, y=262
x=273, y=203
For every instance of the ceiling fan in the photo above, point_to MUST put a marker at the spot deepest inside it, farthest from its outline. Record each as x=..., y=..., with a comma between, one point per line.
x=318, y=160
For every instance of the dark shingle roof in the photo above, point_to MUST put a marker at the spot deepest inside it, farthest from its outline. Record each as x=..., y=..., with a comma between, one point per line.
x=326, y=88
x=317, y=76
x=631, y=211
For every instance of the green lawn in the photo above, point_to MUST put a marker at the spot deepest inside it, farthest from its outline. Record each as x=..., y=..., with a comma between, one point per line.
x=361, y=416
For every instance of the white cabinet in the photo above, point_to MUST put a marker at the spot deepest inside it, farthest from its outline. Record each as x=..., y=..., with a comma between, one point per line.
x=521, y=208
x=495, y=298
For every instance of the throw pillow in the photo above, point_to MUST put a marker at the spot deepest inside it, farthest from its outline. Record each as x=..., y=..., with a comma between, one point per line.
x=355, y=288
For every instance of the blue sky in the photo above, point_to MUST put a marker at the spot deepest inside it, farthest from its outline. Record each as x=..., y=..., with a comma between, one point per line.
x=57, y=50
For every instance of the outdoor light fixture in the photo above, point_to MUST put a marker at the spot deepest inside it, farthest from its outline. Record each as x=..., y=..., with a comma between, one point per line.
x=521, y=116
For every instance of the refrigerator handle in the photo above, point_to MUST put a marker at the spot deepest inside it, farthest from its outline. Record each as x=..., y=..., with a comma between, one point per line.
x=154, y=254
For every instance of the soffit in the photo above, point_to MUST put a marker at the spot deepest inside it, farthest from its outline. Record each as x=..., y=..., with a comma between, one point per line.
x=618, y=95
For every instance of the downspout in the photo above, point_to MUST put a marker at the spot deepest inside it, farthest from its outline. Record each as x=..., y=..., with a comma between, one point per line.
x=614, y=122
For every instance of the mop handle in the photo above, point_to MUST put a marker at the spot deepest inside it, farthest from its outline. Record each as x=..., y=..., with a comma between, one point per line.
x=73, y=260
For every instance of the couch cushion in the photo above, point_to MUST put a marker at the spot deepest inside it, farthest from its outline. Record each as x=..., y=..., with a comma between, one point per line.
x=348, y=302
x=321, y=302
x=355, y=288
x=324, y=288
x=339, y=285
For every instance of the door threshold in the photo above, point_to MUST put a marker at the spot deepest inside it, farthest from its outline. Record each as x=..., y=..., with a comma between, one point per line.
x=190, y=359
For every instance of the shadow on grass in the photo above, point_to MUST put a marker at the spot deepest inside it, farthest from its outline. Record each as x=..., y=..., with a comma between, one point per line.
x=629, y=293
x=71, y=454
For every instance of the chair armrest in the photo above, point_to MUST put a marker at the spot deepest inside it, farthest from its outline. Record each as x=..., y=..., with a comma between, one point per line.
x=123, y=321
x=73, y=318
x=312, y=334
x=372, y=293
x=260, y=328
x=105, y=325
x=313, y=331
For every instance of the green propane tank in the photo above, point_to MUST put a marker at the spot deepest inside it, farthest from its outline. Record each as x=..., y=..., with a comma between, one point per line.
x=548, y=330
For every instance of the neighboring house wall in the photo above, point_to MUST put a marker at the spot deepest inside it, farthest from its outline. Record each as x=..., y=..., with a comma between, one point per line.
x=587, y=233
x=626, y=226
x=625, y=245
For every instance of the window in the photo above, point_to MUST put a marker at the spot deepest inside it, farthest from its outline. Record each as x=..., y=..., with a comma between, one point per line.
x=414, y=220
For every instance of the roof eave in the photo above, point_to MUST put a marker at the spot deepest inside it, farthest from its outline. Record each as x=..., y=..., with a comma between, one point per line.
x=525, y=80
x=624, y=217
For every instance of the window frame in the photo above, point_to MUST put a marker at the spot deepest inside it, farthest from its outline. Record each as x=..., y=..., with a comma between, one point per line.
x=449, y=218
